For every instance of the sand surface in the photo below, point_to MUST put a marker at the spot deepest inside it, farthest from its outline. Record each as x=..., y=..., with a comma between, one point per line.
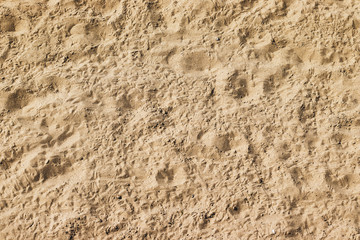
x=201, y=119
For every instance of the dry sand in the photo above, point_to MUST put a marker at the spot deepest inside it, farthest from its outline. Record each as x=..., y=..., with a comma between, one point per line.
x=166, y=119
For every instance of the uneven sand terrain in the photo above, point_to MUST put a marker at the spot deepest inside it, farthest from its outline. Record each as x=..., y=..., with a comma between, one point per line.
x=187, y=119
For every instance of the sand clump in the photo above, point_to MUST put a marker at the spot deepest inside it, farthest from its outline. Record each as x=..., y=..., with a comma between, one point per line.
x=179, y=119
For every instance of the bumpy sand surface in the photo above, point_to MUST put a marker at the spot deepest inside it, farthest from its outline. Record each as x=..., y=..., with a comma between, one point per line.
x=139, y=119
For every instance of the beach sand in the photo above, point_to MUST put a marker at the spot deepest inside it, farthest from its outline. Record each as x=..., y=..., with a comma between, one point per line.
x=179, y=119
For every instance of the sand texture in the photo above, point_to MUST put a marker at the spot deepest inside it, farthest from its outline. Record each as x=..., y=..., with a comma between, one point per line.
x=187, y=119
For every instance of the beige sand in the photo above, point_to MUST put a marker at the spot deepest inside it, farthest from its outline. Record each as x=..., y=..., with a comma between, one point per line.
x=144, y=119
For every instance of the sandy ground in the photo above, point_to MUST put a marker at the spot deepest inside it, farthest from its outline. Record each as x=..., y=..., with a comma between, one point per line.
x=139, y=119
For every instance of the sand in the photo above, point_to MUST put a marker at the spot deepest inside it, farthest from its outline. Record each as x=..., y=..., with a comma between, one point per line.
x=139, y=119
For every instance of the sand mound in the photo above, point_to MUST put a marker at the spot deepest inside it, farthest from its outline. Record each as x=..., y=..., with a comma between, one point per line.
x=179, y=119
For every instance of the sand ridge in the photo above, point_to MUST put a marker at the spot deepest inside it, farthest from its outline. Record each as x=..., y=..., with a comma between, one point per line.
x=179, y=119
